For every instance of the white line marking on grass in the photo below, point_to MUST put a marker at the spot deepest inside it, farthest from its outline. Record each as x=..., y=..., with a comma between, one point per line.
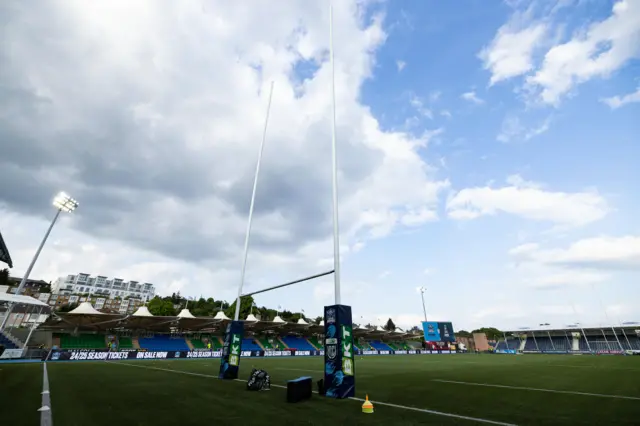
x=45, y=409
x=387, y=404
x=600, y=395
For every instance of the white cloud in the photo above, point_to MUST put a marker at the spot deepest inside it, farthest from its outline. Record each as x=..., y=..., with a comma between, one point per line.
x=472, y=97
x=445, y=113
x=601, y=49
x=400, y=65
x=384, y=274
x=510, y=52
x=420, y=107
x=616, y=102
x=513, y=130
x=166, y=72
x=528, y=200
x=599, y=253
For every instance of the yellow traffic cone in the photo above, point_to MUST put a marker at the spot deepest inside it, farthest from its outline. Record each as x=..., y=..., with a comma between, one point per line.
x=367, y=407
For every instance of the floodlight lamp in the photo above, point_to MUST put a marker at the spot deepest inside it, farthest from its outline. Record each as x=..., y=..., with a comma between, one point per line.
x=65, y=203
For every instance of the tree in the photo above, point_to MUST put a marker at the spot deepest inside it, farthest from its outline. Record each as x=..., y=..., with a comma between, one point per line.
x=463, y=333
x=67, y=307
x=157, y=306
x=318, y=320
x=415, y=329
x=390, y=326
x=492, y=333
x=245, y=308
x=4, y=276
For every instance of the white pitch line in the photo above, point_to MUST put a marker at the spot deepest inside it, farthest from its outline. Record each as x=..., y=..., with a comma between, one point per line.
x=387, y=404
x=45, y=409
x=599, y=395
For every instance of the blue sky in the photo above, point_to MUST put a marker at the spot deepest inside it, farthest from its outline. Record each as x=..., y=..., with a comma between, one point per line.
x=487, y=152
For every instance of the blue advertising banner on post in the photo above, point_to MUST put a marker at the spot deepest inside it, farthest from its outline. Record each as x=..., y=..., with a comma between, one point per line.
x=339, y=365
x=446, y=332
x=230, y=361
x=431, y=331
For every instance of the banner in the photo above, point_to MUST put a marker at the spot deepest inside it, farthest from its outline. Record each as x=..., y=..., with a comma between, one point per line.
x=133, y=354
x=446, y=332
x=12, y=354
x=339, y=364
x=431, y=331
x=231, y=351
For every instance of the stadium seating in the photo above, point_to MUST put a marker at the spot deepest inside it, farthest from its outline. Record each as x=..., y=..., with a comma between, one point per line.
x=315, y=342
x=82, y=341
x=265, y=342
x=125, y=343
x=249, y=344
x=299, y=343
x=380, y=346
x=163, y=343
x=198, y=344
x=6, y=343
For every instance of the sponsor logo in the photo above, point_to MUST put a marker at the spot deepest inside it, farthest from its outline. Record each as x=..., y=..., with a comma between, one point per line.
x=384, y=352
x=347, y=351
x=303, y=353
x=332, y=351
x=401, y=352
x=331, y=316
x=412, y=352
x=370, y=352
x=332, y=341
x=246, y=353
x=234, y=356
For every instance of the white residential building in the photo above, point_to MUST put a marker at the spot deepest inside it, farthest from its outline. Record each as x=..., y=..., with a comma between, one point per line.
x=102, y=286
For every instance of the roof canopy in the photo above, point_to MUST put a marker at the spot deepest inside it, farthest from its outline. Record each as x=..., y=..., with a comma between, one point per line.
x=85, y=308
x=143, y=311
x=4, y=253
x=21, y=300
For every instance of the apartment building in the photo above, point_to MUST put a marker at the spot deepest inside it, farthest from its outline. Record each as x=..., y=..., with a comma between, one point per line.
x=100, y=285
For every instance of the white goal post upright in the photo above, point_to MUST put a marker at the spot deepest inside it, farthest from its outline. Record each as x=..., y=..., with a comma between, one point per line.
x=251, y=206
x=232, y=348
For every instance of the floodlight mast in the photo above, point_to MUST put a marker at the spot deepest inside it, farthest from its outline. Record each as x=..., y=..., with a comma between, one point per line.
x=63, y=203
x=424, y=307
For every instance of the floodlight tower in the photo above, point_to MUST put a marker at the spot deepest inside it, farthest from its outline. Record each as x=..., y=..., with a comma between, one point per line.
x=63, y=203
x=422, y=291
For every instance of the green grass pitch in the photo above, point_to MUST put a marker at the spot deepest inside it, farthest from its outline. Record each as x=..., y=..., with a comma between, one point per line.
x=595, y=390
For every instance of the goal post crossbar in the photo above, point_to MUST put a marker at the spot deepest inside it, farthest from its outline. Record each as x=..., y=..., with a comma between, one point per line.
x=301, y=280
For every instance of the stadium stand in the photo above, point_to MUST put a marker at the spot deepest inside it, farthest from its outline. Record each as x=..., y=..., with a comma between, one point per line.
x=512, y=344
x=380, y=346
x=299, y=343
x=6, y=343
x=249, y=344
x=265, y=342
x=315, y=342
x=198, y=344
x=163, y=343
x=125, y=343
x=83, y=341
